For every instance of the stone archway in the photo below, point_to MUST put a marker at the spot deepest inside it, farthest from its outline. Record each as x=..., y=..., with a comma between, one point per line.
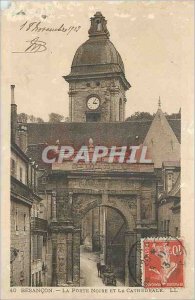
x=103, y=239
x=125, y=210
x=66, y=230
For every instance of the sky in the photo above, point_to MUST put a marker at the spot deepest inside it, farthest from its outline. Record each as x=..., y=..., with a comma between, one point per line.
x=154, y=38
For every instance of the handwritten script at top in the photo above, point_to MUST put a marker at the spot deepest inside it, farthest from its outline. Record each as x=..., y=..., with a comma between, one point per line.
x=38, y=27
x=36, y=45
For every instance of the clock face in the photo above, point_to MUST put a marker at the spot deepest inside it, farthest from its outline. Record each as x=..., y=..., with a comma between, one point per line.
x=93, y=103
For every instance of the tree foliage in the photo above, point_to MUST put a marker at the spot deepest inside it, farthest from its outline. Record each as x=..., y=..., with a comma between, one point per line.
x=55, y=118
x=24, y=118
x=144, y=116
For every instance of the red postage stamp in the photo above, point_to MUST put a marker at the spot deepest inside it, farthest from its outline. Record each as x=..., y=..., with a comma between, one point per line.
x=163, y=263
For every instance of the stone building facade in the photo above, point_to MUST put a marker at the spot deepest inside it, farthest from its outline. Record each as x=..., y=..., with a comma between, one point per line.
x=85, y=200
x=23, y=194
x=24, y=200
x=169, y=200
x=97, y=82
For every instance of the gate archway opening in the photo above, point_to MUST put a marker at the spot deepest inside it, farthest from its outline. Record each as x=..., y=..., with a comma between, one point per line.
x=102, y=240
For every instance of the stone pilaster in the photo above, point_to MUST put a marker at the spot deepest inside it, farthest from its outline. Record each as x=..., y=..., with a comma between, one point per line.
x=138, y=259
x=130, y=259
x=154, y=208
x=54, y=259
x=61, y=259
x=54, y=209
x=71, y=103
x=114, y=91
x=64, y=206
x=69, y=259
x=124, y=108
x=76, y=257
x=138, y=209
x=62, y=253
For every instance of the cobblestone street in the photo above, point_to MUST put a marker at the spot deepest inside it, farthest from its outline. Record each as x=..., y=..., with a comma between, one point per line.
x=89, y=275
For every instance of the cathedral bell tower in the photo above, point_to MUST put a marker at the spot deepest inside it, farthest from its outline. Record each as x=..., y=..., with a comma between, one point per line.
x=97, y=82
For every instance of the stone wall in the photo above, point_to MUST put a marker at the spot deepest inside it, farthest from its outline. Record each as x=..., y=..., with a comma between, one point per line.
x=165, y=215
x=109, y=99
x=20, y=241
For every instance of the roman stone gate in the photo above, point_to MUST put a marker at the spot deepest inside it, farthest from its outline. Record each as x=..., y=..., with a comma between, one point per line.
x=131, y=190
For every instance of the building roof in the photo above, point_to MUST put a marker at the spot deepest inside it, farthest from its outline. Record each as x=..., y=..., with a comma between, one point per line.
x=97, y=57
x=77, y=134
x=18, y=151
x=171, y=164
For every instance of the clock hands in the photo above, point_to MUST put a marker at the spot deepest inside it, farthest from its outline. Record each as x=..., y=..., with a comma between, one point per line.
x=93, y=103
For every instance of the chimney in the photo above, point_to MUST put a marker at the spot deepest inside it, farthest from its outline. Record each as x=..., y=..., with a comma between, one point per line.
x=13, y=116
x=22, y=137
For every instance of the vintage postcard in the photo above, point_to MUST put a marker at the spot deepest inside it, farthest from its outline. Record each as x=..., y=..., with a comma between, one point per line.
x=97, y=186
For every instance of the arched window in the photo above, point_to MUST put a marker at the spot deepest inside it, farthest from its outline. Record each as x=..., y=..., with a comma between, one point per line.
x=120, y=110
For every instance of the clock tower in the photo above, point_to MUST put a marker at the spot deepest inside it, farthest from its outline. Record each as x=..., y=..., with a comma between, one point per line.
x=97, y=82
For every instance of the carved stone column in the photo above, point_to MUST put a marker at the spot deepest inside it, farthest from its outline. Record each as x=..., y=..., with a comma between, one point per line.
x=114, y=91
x=61, y=260
x=130, y=258
x=69, y=259
x=154, y=209
x=71, y=104
x=64, y=206
x=76, y=257
x=54, y=209
x=124, y=108
x=138, y=209
x=54, y=260
x=62, y=264
x=138, y=259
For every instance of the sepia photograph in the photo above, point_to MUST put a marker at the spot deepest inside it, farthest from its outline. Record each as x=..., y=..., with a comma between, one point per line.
x=97, y=100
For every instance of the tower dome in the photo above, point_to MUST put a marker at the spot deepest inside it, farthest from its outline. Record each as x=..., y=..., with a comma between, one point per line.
x=97, y=56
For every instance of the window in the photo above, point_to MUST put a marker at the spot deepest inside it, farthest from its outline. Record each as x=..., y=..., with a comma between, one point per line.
x=37, y=280
x=164, y=230
x=93, y=117
x=34, y=247
x=176, y=231
x=16, y=219
x=44, y=180
x=39, y=246
x=40, y=283
x=13, y=167
x=168, y=225
x=169, y=181
x=21, y=174
x=120, y=110
x=33, y=177
x=98, y=83
x=33, y=280
x=24, y=222
x=165, y=227
x=161, y=227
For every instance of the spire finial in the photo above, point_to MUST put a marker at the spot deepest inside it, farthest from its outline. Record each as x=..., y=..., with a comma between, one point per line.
x=98, y=26
x=90, y=142
x=159, y=103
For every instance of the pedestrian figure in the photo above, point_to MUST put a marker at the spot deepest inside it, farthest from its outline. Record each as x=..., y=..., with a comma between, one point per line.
x=99, y=268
